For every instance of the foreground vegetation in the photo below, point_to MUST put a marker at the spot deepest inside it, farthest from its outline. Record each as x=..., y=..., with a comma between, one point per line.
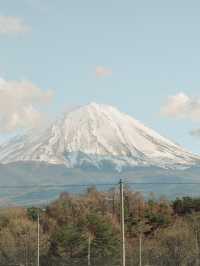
x=169, y=232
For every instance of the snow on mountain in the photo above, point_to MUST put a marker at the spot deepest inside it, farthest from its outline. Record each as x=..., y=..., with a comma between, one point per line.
x=97, y=135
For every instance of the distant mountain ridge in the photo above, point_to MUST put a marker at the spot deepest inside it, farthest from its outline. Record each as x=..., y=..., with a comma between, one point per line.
x=28, y=183
x=98, y=136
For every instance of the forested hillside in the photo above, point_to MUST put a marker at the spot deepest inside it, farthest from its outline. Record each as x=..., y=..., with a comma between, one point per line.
x=75, y=226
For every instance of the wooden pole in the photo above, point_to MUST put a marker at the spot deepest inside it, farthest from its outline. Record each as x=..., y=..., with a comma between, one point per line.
x=123, y=262
x=38, y=239
x=89, y=250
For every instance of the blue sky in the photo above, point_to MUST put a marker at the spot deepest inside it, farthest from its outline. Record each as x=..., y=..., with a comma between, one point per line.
x=152, y=49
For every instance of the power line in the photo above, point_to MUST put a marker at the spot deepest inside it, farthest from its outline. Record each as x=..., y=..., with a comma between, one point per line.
x=96, y=185
x=60, y=186
x=162, y=183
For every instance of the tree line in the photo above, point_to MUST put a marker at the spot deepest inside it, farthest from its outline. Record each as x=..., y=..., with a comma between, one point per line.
x=164, y=232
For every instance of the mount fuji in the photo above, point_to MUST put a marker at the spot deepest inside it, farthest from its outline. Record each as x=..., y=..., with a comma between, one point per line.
x=96, y=136
x=94, y=143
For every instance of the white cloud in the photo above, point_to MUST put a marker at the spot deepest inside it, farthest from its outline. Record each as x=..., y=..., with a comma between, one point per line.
x=195, y=132
x=182, y=106
x=10, y=24
x=21, y=104
x=102, y=71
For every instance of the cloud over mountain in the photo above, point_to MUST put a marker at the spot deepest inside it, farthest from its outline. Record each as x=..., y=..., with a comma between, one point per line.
x=9, y=24
x=182, y=106
x=21, y=105
x=102, y=71
x=195, y=132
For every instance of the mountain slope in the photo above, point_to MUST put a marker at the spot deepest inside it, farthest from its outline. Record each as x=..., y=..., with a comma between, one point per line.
x=97, y=136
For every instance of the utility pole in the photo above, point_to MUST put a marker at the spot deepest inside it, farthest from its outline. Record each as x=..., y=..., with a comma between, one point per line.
x=38, y=239
x=89, y=250
x=140, y=240
x=38, y=234
x=123, y=262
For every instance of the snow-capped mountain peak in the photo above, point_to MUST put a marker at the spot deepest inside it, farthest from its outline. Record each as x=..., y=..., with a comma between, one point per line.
x=97, y=135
